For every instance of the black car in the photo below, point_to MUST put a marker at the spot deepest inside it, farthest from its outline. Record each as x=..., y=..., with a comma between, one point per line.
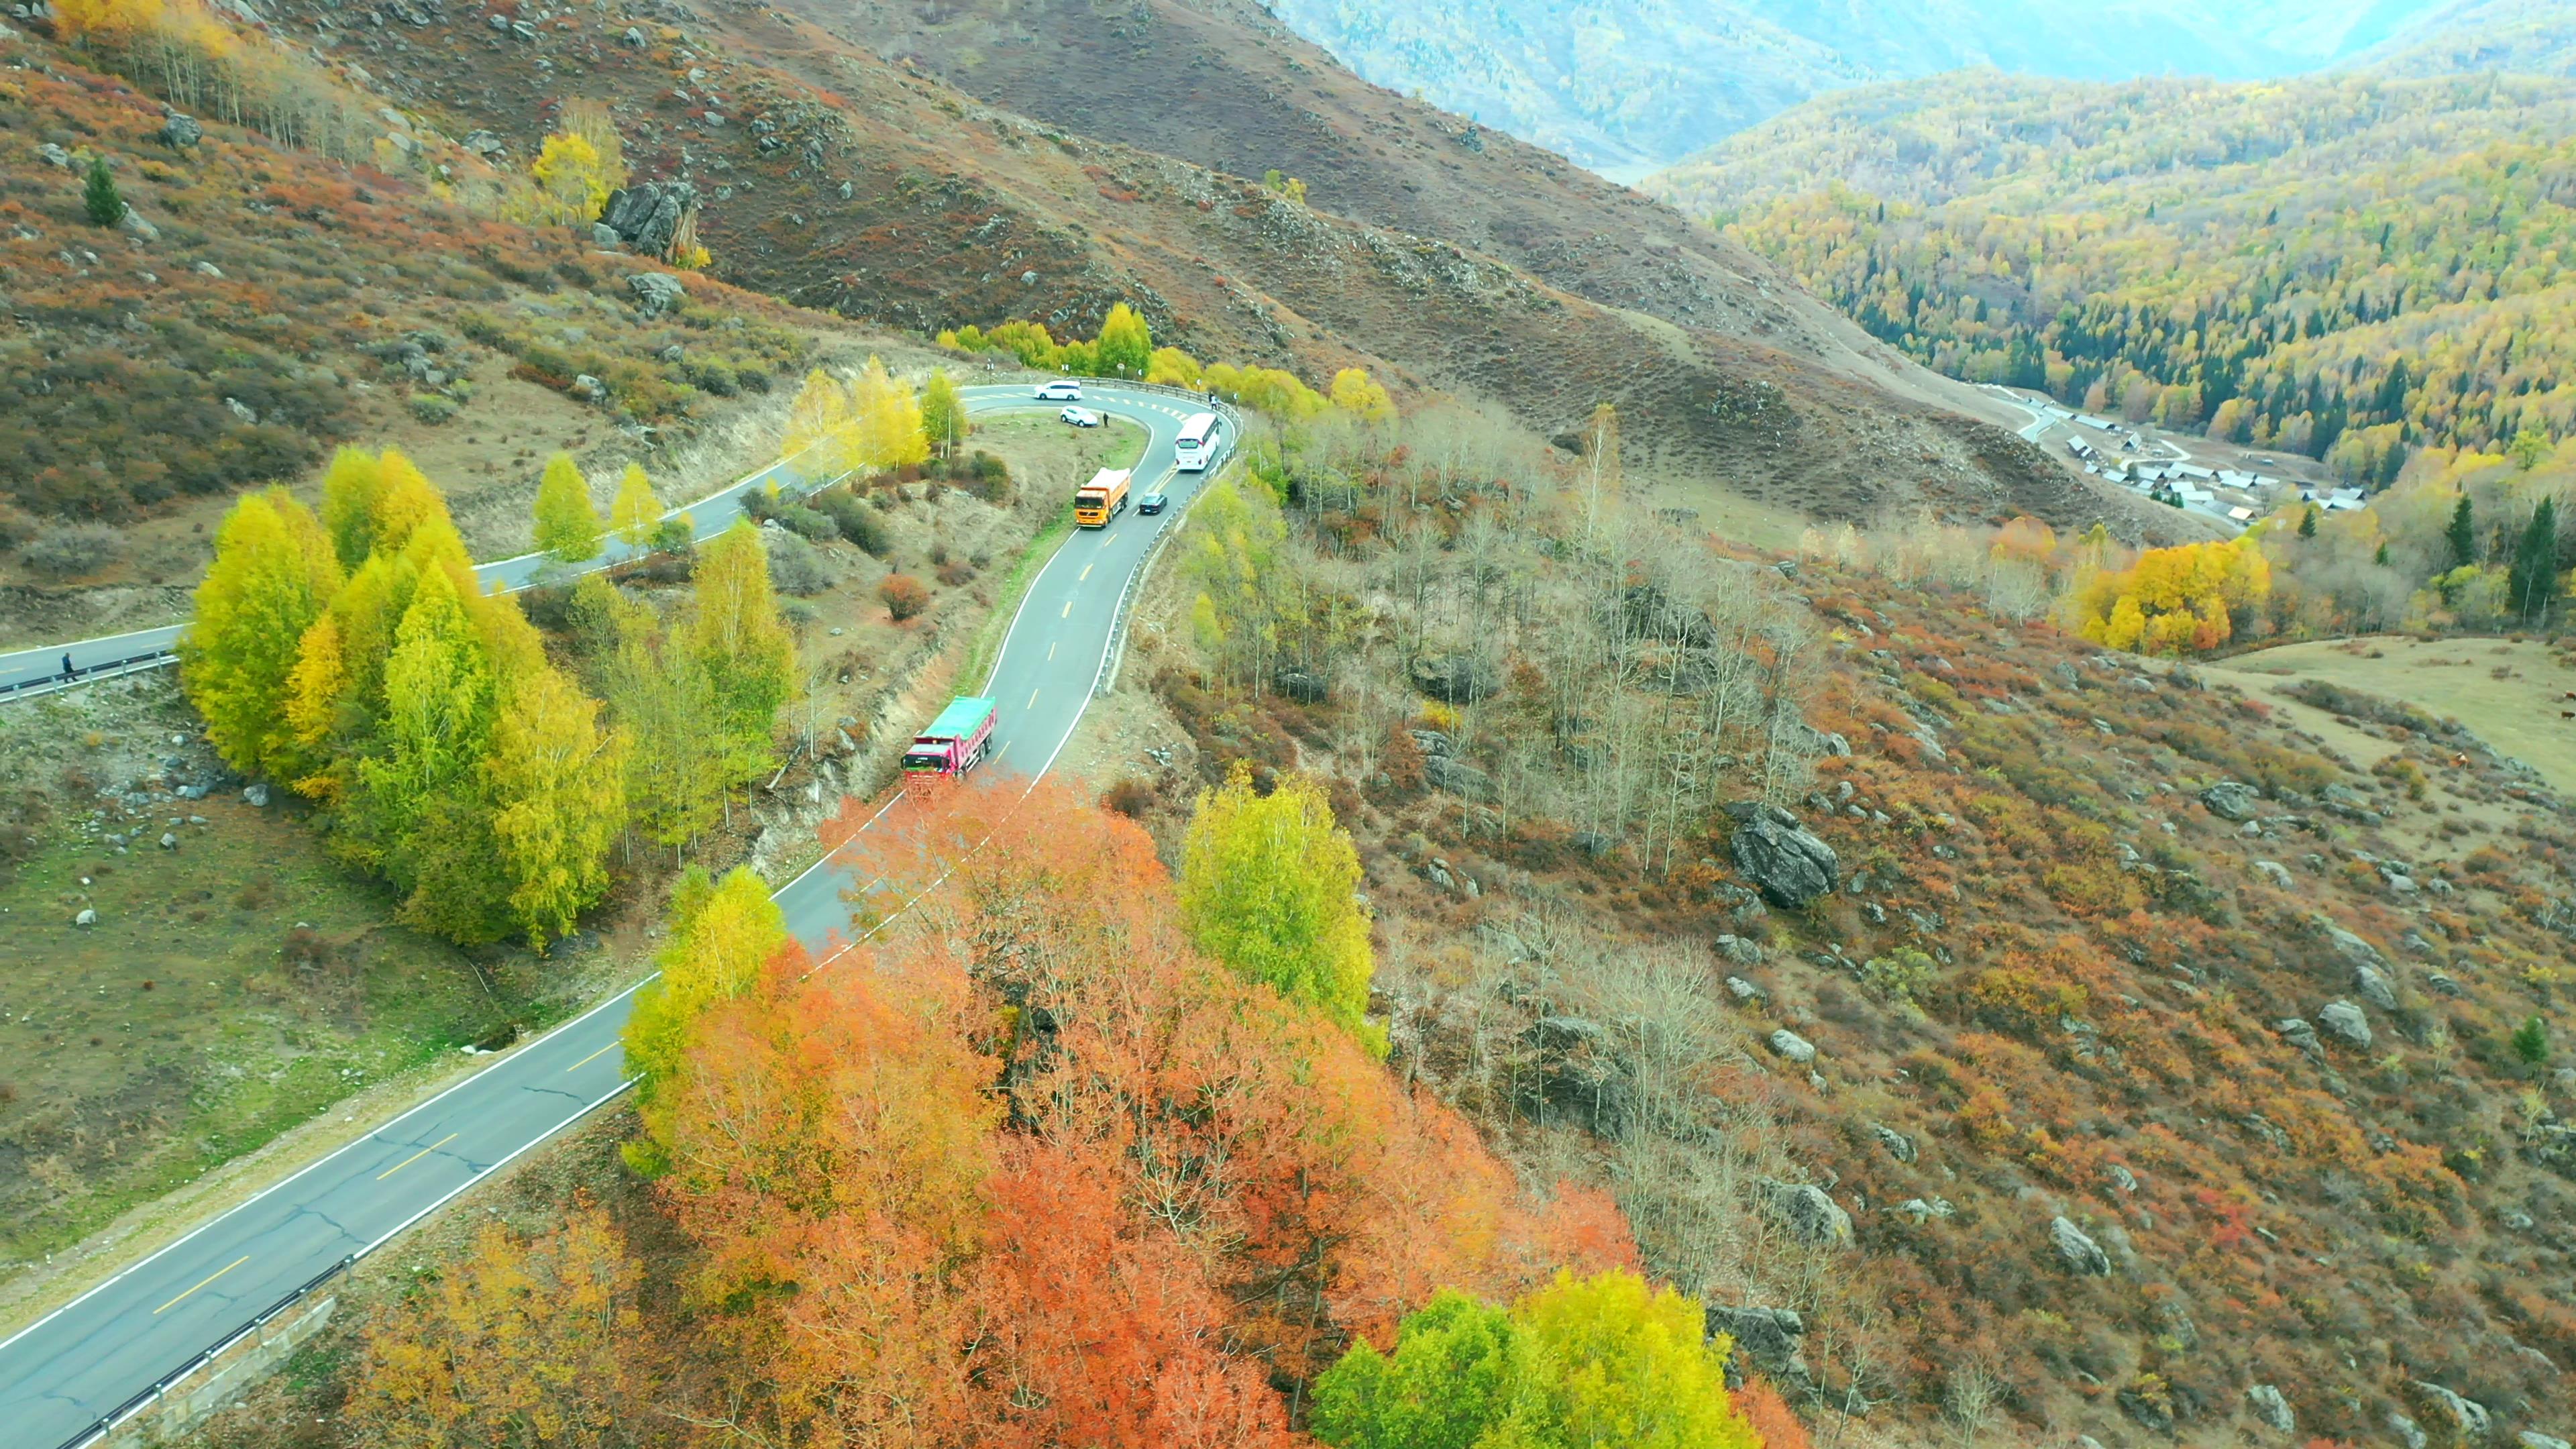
x=1151, y=502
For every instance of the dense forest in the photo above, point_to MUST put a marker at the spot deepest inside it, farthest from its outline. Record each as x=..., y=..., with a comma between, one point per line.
x=2347, y=267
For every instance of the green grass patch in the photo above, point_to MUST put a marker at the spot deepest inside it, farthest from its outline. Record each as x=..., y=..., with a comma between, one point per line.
x=232, y=988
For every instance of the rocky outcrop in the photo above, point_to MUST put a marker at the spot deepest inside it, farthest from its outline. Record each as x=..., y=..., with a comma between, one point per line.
x=2344, y=1021
x=2231, y=800
x=1898, y=1145
x=181, y=131
x=1579, y=1078
x=2375, y=987
x=1793, y=1046
x=650, y=215
x=1454, y=776
x=2270, y=1409
x=2467, y=1417
x=656, y=292
x=2083, y=1256
x=1456, y=678
x=1809, y=1214
x=1767, y=1338
x=1781, y=857
x=2297, y=1032
x=1298, y=685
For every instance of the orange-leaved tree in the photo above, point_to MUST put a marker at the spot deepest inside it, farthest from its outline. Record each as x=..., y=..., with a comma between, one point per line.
x=2170, y=600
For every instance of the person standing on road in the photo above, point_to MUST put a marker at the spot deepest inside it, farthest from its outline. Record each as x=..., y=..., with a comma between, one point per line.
x=68, y=671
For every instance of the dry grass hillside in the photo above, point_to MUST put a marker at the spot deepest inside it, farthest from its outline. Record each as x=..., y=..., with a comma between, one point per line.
x=840, y=180
x=2157, y=1046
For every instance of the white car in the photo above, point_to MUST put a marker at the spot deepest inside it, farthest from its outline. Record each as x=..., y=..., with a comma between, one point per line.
x=1080, y=417
x=1063, y=389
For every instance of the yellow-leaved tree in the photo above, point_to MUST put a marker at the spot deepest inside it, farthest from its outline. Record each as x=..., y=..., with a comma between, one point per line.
x=572, y=181
x=2169, y=600
x=636, y=512
x=887, y=430
x=722, y=934
x=273, y=574
x=1354, y=393
x=567, y=523
x=819, y=420
x=558, y=790
x=1267, y=888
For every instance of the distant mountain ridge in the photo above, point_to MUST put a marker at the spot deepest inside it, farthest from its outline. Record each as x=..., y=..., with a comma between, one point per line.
x=1622, y=85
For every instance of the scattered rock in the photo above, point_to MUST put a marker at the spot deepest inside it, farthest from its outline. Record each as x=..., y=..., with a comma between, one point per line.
x=87, y=917
x=656, y=292
x=589, y=388
x=209, y=269
x=649, y=214
x=242, y=410
x=484, y=144
x=55, y=155
x=2232, y=800
x=1742, y=950
x=133, y=222
x=2121, y=1177
x=2275, y=872
x=634, y=37
x=2375, y=987
x=257, y=794
x=2270, y=1409
x=2082, y=1255
x=1768, y=1339
x=1298, y=685
x=2345, y=1021
x=1783, y=858
x=1457, y=678
x=1742, y=990
x=1898, y=1145
x=1456, y=777
x=169, y=841
x=1810, y=1216
x=2356, y=950
x=2534, y=1439
x=2408, y=1432
x=1921, y=1211
x=2467, y=1416
x=181, y=131
x=1793, y=1046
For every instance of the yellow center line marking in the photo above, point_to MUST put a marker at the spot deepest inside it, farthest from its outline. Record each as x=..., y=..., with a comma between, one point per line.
x=219, y=1272
x=1068, y=610
x=1033, y=700
x=1112, y=538
x=1051, y=647
x=415, y=1157
x=586, y=1061
x=1086, y=573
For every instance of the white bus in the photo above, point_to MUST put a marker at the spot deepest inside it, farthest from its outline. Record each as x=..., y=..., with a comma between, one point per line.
x=1198, y=442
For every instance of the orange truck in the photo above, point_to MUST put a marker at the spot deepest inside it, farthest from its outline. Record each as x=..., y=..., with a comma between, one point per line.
x=1101, y=499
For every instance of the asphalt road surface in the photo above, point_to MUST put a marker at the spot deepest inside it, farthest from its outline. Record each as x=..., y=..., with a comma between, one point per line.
x=63, y=1373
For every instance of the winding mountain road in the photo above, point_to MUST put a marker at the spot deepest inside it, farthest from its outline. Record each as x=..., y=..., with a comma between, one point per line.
x=65, y=1374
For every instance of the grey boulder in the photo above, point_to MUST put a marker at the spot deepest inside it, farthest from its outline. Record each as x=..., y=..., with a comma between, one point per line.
x=2346, y=1022
x=1793, y=1046
x=1768, y=1338
x=2467, y=1416
x=1781, y=857
x=1809, y=1214
x=2270, y=1409
x=2231, y=800
x=1456, y=678
x=2375, y=987
x=656, y=292
x=2082, y=1255
x=181, y=131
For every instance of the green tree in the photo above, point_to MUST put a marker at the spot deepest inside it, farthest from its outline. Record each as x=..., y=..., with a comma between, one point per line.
x=1267, y=888
x=437, y=717
x=567, y=524
x=635, y=510
x=721, y=935
x=1581, y=1364
x=2308, y=522
x=351, y=491
x=2463, y=534
x=2534, y=581
x=2528, y=449
x=558, y=789
x=99, y=196
x=1125, y=346
x=2531, y=1042
x=272, y=576
x=743, y=645
x=1448, y=1383
x=943, y=412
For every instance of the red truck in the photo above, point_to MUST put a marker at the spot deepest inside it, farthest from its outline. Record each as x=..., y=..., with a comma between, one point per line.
x=956, y=741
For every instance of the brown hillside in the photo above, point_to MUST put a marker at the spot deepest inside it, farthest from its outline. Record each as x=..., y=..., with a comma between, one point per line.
x=839, y=180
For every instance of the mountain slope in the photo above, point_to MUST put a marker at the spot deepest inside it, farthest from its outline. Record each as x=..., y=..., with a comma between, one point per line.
x=1626, y=84
x=2522, y=37
x=2345, y=266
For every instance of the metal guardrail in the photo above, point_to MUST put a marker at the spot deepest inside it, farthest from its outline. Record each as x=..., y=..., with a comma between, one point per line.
x=114, y=668
x=109, y=1422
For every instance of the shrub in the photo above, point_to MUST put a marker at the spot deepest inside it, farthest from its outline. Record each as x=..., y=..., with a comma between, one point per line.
x=1129, y=797
x=795, y=567
x=855, y=520
x=807, y=522
x=432, y=409
x=905, y=596
x=66, y=550
x=955, y=572
x=714, y=377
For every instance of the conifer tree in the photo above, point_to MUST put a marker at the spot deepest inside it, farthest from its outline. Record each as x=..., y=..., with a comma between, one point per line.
x=567, y=525
x=1125, y=345
x=2463, y=534
x=351, y=492
x=99, y=196
x=272, y=576
x=943, y=412
x=636, y=509
x=1266, y=887
x=2534, y=581
x=743, y=645
x=558, y=790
